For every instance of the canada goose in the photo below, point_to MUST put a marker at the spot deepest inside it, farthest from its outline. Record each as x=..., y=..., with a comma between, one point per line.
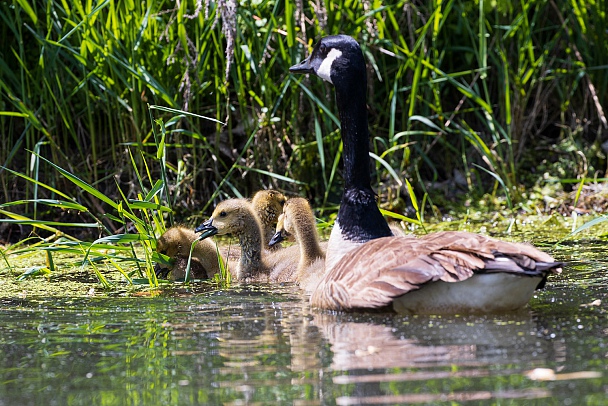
x=238, y=217
x=175, y=243
x=268, y=205
x=297, y=223
x=367, y=267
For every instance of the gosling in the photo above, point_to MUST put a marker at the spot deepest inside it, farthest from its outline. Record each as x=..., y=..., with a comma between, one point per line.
x=176, y=243
x=297, y=224
x=268, y=205
x=238, y=217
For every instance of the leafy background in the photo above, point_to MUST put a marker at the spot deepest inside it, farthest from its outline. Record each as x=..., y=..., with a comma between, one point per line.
x=102, y=106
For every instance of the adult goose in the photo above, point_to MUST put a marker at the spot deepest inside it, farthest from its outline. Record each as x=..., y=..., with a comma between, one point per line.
x=297, y=224
x=238, y=217
x=366, y=267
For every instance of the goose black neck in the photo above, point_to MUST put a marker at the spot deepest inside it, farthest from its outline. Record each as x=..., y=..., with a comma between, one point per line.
x=355, y=134
x=359, y=217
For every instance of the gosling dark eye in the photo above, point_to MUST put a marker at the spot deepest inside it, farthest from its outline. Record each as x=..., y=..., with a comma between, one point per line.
x=223, y=214
x=164, y=252
x=283, y=202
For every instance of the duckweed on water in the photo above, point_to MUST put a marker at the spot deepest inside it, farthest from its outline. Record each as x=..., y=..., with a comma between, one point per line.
x=70, y=279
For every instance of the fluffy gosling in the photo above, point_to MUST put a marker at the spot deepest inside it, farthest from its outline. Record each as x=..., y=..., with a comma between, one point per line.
x=238, y=217
x=297, y=224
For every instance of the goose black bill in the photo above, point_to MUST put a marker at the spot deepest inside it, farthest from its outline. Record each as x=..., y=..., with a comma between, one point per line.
x=277, y=238
x=161, y=272
x=207, y=229
x=302, y=67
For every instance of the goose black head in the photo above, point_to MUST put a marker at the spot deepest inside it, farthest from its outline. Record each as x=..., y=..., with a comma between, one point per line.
x=336, y=59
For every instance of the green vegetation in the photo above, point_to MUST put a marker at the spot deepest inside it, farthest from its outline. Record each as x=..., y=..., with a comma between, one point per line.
x=112, y=114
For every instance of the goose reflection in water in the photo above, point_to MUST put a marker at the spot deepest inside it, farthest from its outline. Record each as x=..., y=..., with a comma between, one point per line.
x=368, y=354
x=364, y=358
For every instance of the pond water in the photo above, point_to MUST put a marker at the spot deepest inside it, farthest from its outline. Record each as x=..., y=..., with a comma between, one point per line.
x=264, y=345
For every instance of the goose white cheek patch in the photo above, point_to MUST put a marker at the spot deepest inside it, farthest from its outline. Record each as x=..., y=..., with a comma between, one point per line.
x=324, y=71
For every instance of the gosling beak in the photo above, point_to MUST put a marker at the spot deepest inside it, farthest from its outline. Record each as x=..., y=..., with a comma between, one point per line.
x=207, y=229
x=161, y=272
x=277, y=238
x=302, y=67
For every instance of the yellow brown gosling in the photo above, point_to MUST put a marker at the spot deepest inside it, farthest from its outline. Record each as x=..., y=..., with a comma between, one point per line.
x=238, y=217
x=367, y=266
x=268, y=205
x=297, y=224
x=175, y=243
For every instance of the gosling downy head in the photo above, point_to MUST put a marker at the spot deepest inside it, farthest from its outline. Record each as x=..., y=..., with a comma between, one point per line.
x=281, y=234
x=297, y=224
x=268, y=205
x=231, y=216
x=175, y=243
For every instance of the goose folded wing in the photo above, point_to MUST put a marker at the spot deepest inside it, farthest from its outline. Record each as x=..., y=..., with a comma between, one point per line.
x=483, y=245
x=499, y=256
x=367, y=278
x=380, y=270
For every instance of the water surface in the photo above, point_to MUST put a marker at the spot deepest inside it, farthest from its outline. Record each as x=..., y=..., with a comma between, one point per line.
x=265, y=345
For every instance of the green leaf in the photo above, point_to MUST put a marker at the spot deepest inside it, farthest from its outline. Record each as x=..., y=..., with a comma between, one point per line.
x=398, y=216
x=80, y=183
x=33, y=272
x=272, y=175
x=139, y=204
x=502, y=183
x=49, y=202
x=427, y=122
x=29, y=10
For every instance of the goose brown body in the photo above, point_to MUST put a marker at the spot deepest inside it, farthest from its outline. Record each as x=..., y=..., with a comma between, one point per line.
x=367, y=267
x=387, y=271
x=238, y=217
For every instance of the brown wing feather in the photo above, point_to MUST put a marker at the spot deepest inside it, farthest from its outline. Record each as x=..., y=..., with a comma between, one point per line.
x=386, y=268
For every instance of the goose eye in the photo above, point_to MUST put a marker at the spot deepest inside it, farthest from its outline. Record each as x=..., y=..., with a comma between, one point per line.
x=164, y=252
x=323, y=49
x=223, y=214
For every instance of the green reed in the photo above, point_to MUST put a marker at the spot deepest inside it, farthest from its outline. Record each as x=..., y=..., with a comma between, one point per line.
x=455, y=87
x=480, y=75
